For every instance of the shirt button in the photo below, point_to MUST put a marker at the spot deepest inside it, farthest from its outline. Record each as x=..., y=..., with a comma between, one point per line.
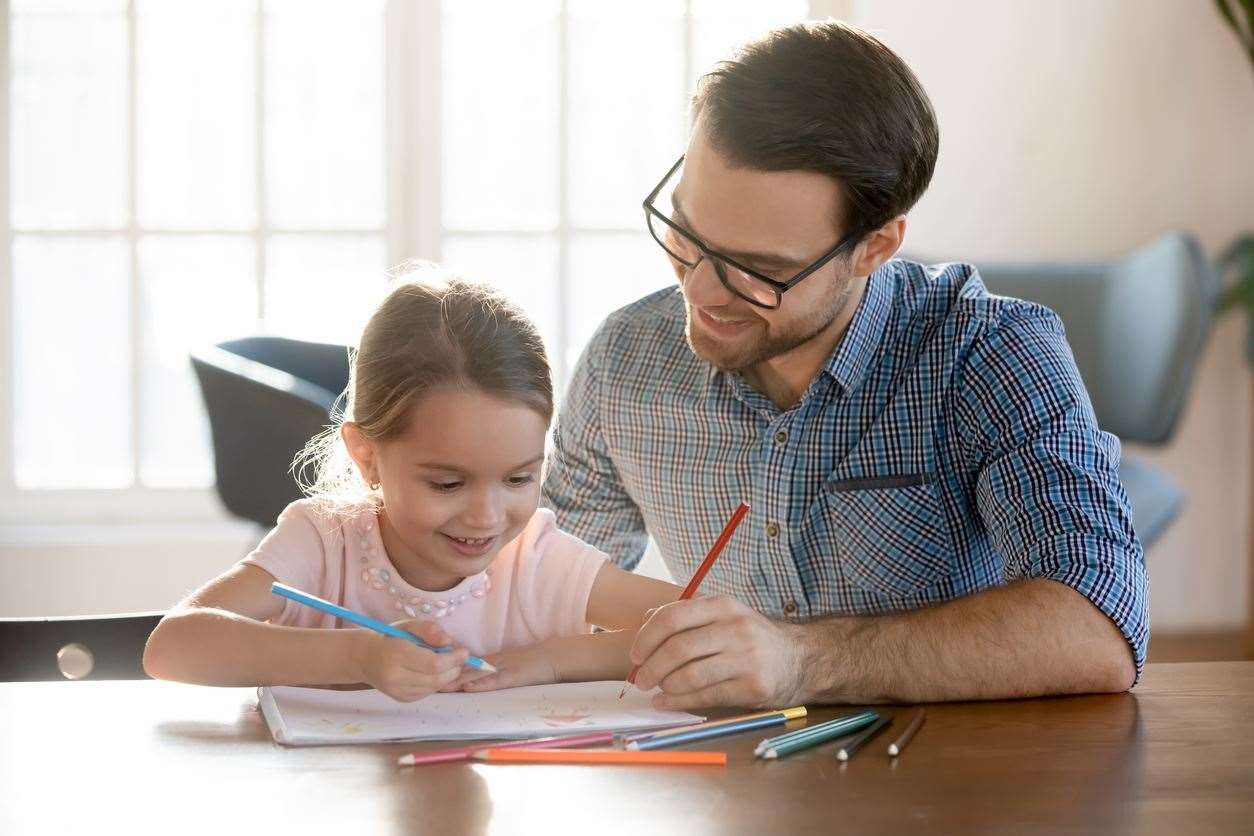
x=772, y=530
x=781, y=437
x=790, y=607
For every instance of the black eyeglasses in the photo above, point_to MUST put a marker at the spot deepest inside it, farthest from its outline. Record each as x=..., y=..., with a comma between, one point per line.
x=687, y=250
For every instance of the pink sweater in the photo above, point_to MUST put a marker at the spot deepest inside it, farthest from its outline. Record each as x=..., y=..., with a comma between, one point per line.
x=537, y=588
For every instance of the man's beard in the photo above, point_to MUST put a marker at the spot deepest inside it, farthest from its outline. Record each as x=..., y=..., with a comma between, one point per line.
x=735, y=358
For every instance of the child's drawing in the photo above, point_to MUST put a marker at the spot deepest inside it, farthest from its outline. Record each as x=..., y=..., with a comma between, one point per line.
x=311, y=715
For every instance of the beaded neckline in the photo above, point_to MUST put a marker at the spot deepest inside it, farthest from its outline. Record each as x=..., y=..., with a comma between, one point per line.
x=411, y=602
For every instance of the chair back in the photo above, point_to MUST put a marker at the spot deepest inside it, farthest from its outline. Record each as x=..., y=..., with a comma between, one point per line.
x=78, y=647
x=266, y=397
x=1136, y=324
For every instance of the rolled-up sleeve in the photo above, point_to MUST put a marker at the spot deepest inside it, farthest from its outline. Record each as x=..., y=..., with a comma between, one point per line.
x=1048, y=488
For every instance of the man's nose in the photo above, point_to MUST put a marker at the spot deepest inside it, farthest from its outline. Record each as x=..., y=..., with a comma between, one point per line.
x=703, y=288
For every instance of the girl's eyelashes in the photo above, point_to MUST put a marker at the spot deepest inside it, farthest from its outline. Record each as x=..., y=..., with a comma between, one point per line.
x=522, y=480
x=445, y=487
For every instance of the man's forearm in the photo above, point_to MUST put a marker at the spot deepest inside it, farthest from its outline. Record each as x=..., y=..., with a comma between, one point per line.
x=1031, y=638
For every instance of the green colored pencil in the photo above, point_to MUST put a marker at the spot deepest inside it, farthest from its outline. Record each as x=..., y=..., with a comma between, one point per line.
x=819, y=734
x=820, y=728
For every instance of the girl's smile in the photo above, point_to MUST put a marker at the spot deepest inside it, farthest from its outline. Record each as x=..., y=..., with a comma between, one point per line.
x=459, y=482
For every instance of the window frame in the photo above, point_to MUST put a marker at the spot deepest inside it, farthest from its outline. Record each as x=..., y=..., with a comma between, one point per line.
x=413, y=228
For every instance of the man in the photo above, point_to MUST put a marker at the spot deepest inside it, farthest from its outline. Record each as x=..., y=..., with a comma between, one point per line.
x=935, y=514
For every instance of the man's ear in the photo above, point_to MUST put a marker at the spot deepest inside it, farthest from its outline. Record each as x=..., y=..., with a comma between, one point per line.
x=361, y=451
x=879, y=246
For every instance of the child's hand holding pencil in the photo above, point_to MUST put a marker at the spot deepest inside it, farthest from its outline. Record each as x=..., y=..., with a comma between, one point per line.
x=403, y=670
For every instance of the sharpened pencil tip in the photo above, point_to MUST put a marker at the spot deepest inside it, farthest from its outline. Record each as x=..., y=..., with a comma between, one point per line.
x=623, y=692
x=842, y=755
x=893, y=751
x=405, y=760
x=488, y=667
x=770, y=755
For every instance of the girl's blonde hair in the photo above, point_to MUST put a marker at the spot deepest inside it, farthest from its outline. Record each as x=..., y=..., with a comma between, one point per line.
x=438, y=331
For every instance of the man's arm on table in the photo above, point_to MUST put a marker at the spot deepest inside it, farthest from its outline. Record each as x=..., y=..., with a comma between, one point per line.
x=1030, y=638
x=1071, y=618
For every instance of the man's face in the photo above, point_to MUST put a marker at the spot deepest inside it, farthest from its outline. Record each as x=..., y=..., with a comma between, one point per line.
x=776, y=222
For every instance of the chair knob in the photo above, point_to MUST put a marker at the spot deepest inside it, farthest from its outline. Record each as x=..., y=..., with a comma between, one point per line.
x=75, y=660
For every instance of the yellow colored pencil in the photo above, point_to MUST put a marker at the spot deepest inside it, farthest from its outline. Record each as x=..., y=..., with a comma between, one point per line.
x=795, y=713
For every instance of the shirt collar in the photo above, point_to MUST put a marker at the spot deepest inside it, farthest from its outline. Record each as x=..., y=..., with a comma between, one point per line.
x=849, y=362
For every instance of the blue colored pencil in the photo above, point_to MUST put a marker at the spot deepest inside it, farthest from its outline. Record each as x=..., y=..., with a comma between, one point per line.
x=285, y=591
x=662, y=741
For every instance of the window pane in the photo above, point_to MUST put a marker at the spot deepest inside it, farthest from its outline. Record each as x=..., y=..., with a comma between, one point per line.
x=324, y=120
x=609, y=270
x=719, y=26
x=627, y=106
x=196, y=113
x=523, y=267
x=323, y=288
x=72, y=362
x=196, y=290
x=500, y=112
x=68, y=120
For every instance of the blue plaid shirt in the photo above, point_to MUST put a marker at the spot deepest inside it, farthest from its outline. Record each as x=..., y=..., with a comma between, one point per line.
x=947, y=446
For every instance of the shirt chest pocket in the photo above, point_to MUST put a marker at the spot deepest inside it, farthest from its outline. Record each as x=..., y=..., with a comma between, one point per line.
x=891, y=533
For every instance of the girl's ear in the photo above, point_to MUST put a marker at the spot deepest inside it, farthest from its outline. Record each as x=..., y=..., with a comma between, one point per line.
x=361, y=451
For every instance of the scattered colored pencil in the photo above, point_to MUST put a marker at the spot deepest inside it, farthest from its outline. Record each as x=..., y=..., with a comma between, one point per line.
x=679, y=738
x=846, y=724
x=691, y=589
x=847, y=751
x=808, y=738
x=898, y=746
x=794, y=713
x=622, y=756
x=463, y=753
x=285, y=591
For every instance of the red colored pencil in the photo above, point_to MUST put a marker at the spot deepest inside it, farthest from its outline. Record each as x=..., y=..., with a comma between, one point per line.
x=463, y=753
x=691, y=589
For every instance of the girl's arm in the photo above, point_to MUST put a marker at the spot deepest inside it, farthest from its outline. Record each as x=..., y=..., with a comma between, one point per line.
x=619, y=601
x=218, y=635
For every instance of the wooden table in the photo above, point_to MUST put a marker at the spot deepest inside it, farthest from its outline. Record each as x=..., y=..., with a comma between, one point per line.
x=1176, y=755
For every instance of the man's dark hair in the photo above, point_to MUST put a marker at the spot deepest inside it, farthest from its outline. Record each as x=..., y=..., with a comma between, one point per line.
x=830, y=98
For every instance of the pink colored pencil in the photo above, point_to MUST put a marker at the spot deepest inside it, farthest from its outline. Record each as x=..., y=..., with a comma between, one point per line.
x=463, y=753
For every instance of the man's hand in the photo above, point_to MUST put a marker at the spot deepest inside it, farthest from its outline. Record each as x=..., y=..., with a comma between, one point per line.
x=718, y=651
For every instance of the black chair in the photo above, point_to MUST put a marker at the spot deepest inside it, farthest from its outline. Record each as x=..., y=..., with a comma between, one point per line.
x=79, y=647
x=266, y=397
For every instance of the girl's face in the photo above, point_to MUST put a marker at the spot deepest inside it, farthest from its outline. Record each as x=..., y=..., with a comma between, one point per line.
x=460, y=482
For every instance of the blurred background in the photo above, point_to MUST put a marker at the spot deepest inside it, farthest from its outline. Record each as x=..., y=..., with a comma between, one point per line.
x=181, y=173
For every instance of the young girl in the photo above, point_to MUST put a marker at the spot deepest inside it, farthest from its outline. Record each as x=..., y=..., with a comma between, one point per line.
x=424, y=513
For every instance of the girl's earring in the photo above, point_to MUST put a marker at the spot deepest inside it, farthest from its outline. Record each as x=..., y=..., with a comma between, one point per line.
x=374, y=486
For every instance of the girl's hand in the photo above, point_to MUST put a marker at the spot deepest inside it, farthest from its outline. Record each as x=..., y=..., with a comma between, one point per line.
x=403, y=670
x=532, y=665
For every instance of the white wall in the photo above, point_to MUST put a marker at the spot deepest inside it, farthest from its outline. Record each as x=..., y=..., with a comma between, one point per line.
x=1081, y=130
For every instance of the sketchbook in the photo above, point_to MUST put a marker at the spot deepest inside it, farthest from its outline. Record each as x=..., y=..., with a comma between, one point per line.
x=314, y=716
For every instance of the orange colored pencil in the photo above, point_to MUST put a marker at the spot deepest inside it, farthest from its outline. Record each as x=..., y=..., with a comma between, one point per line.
x=691, y=589
x=656, y=756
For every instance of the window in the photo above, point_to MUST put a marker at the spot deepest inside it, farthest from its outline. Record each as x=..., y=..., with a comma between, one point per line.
x=184, y=172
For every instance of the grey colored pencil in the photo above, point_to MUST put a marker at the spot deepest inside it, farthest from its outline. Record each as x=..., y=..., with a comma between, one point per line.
x=855, y=743
x=897, y=746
